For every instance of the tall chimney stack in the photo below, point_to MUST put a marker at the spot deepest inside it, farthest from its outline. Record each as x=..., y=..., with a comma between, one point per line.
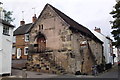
x=34, y=18
x=97, y=30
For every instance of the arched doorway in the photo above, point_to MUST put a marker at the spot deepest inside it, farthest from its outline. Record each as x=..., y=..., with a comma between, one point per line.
x=41, y=42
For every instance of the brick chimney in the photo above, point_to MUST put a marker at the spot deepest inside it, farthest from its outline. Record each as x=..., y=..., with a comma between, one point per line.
x=97, y=30
x=22, y=22
x=34, y=18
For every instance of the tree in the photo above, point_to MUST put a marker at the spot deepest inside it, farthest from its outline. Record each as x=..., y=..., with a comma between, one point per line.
x=8, y=17
x=116, y=24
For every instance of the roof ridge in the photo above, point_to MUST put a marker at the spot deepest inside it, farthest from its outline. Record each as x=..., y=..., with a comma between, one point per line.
x=74, y=24
x=25, y=24
x=23, y=29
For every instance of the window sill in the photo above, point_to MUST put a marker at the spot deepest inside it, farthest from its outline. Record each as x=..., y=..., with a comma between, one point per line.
x=26, y=41
x=6, y=34
x=25, y=54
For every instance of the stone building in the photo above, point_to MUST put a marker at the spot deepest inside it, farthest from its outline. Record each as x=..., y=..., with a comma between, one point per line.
x=58, y=44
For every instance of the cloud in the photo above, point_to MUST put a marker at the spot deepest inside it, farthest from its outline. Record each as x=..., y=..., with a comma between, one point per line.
x=87, y=12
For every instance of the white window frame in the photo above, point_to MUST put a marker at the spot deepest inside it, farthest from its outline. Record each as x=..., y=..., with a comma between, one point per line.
x=26, y=37
x=5, y=30
x=19, y=53
x=25, y=53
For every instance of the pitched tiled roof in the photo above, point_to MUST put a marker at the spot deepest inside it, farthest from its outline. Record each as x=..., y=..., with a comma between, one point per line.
x=73, y=24
x=23, y=29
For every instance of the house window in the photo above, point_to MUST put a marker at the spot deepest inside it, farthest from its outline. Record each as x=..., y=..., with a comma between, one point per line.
x=26, y=51
x=13, y=50
x=72, y=55
x=5, y=30
x=41, y=27
x=26, y=37
x=35, y=45
x=19, y=53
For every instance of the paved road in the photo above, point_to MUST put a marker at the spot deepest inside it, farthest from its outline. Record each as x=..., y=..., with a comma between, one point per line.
x=18, y=64
x=113, y=73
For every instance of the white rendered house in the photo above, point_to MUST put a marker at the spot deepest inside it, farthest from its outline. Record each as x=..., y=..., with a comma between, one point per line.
x=6, y=36
x=107, y=45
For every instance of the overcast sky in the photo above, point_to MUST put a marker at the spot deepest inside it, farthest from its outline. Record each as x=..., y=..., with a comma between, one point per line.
x=89, y=13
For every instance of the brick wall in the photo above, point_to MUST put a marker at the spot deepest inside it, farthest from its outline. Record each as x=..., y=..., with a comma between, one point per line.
x=20, y=43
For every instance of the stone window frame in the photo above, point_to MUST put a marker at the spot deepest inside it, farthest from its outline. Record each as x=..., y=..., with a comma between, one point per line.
x=41, y=27
x=72, y=55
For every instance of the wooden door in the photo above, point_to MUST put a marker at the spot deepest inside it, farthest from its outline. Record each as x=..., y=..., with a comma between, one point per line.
x=41, y=44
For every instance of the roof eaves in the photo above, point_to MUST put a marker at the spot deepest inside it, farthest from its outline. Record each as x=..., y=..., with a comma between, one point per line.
x=6, y=23
x=20, y=31
x=84, y=30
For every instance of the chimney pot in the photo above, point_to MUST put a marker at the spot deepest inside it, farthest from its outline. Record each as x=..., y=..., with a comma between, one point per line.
x=97, y=30
x=22, y=22
x=34, y=18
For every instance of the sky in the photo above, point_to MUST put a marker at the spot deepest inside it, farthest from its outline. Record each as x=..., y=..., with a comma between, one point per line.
x=89, y=13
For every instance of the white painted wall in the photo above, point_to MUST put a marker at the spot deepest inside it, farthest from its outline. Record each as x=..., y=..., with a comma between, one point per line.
x=1, y=29
x=106, y=46
x=5, y=51
x=116, y=53
x=1, y=13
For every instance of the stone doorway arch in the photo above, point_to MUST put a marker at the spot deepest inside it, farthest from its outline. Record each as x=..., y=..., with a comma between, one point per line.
x=41, y=42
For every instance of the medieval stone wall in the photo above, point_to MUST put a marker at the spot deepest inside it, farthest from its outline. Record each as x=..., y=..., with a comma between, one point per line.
x=97, y=50
x=70, y=49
